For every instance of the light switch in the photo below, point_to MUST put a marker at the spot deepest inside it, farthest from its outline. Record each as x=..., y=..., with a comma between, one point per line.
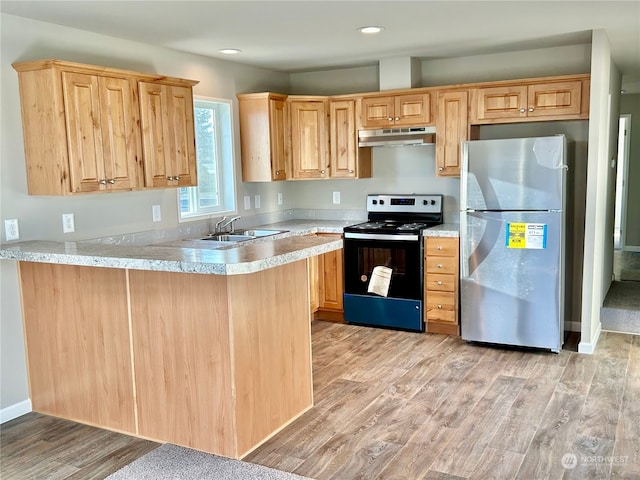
x=156, y=213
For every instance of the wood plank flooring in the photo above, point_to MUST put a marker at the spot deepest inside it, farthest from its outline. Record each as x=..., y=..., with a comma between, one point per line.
x=398, y=405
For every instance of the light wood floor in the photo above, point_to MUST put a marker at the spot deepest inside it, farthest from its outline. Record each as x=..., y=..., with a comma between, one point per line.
x=399, y=405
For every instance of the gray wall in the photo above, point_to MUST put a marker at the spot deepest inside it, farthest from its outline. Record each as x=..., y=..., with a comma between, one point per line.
x=630, y=104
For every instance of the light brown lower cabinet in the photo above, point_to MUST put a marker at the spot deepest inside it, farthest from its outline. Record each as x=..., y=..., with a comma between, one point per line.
x=326, y=281
x=211, y=362
x=441, y=278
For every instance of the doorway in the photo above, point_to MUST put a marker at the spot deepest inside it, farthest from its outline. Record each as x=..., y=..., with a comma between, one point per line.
x=624, y=134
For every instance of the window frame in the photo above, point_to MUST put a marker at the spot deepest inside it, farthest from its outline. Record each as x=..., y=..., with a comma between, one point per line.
x=225, y=170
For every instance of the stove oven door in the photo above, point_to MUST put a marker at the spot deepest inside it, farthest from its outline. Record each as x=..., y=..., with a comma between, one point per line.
x=401, y=307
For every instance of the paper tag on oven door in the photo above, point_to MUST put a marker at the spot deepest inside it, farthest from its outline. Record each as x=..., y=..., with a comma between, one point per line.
x=380, y=281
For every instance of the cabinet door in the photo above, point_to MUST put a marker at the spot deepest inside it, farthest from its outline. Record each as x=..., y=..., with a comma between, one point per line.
x=119, y=133
x=308, y=139
x=84, y=135
x=377, y=112
x=412, y=110
x=331, y=280
x=277, y=115
x=166, y=117
x=560, y=98
x=499, y=102
x=452, y=129
x=342, y=138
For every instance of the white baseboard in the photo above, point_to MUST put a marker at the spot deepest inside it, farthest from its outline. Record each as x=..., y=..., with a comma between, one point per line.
x=14, y=411
x=589, y=347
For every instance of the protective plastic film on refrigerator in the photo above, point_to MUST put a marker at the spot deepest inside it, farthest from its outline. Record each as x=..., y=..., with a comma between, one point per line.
x=512, y=241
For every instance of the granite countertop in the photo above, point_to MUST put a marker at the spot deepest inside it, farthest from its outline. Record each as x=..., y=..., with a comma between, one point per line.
x=444, y=230
x=191, y=255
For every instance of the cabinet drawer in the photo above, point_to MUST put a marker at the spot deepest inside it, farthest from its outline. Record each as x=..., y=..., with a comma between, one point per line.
x=444, y=283
x=441, y=306
x=441, y=247
x=441, y=265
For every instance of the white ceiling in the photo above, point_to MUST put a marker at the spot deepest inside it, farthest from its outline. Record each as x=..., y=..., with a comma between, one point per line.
x=296, y=36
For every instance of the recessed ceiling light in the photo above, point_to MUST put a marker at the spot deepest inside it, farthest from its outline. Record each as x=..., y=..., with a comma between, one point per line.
x=229, y=51
x=370, y=29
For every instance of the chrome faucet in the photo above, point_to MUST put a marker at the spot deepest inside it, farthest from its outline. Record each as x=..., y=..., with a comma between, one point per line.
x=222, y=224
x=217, y=227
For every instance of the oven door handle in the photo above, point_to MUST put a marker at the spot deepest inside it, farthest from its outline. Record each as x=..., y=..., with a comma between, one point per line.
x=381, y=236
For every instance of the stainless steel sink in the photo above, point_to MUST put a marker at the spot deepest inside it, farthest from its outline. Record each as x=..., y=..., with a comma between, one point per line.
x=241, y=235
x=260, y=233
x=228, y=237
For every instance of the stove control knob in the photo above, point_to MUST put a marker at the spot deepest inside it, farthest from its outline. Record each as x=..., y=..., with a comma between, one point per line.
x=381, y=202
x=425, y=202
x=433, y=202
x=375, y=202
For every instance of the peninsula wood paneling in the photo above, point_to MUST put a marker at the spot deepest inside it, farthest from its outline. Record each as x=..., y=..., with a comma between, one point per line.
x=272, y=350
x=182, y=359
x=79, y=358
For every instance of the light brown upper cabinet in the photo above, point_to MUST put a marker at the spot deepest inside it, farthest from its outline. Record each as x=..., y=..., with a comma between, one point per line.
x=346, y=159
x=308, y=137
x=263, y=136
x=548, y=100
x=168, y=139
x=81, y=126
x=408, y=109
x=452, y=126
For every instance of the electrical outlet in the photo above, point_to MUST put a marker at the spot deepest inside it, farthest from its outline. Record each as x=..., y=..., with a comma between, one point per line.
x=256, y=202
x=68, y=223
x=11, y=230
x=336, y=197
x=247, y=202
x=156, y=213
x=280, y=199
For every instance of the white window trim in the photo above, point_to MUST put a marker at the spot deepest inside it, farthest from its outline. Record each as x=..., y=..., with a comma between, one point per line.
x=207, y=216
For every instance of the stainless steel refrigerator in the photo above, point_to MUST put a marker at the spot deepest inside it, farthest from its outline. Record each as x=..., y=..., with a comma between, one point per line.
x=512, y=235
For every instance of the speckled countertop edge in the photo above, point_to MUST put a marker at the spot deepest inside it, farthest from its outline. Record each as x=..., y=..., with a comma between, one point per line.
x=247, y=257
x=444, y=230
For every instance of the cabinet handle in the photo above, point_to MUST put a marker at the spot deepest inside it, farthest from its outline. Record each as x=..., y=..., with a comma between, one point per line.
x=277, y=172
x=439, y=282
x=439, y=265
x=440, y=169
x=439, y=247
x=439, y=307
x=322, y=172
x=169, y=178
x=390, y=119
x=177, y=177
x=102, y=182
x=112, y=181
x=350, y=171
x=397, y=118
x=522, y=110
x=531, y=109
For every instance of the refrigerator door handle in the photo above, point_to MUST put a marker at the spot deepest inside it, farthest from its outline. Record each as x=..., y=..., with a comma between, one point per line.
x=464, y=247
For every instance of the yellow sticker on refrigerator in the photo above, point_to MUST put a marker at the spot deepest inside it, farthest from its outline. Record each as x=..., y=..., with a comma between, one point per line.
x=527, y=235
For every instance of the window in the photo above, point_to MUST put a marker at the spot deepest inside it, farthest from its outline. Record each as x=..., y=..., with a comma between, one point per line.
x=215, y=193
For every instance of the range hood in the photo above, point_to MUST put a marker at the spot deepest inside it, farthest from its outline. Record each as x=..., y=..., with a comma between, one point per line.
x=392, y=137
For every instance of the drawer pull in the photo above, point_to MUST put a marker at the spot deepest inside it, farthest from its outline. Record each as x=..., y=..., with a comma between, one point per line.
x=439, y=282
x=439, y=265
x=439, y=247
x=439, y=306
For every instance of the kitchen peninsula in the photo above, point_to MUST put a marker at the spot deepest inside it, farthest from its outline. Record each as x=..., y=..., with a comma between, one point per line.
x=205, y=348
